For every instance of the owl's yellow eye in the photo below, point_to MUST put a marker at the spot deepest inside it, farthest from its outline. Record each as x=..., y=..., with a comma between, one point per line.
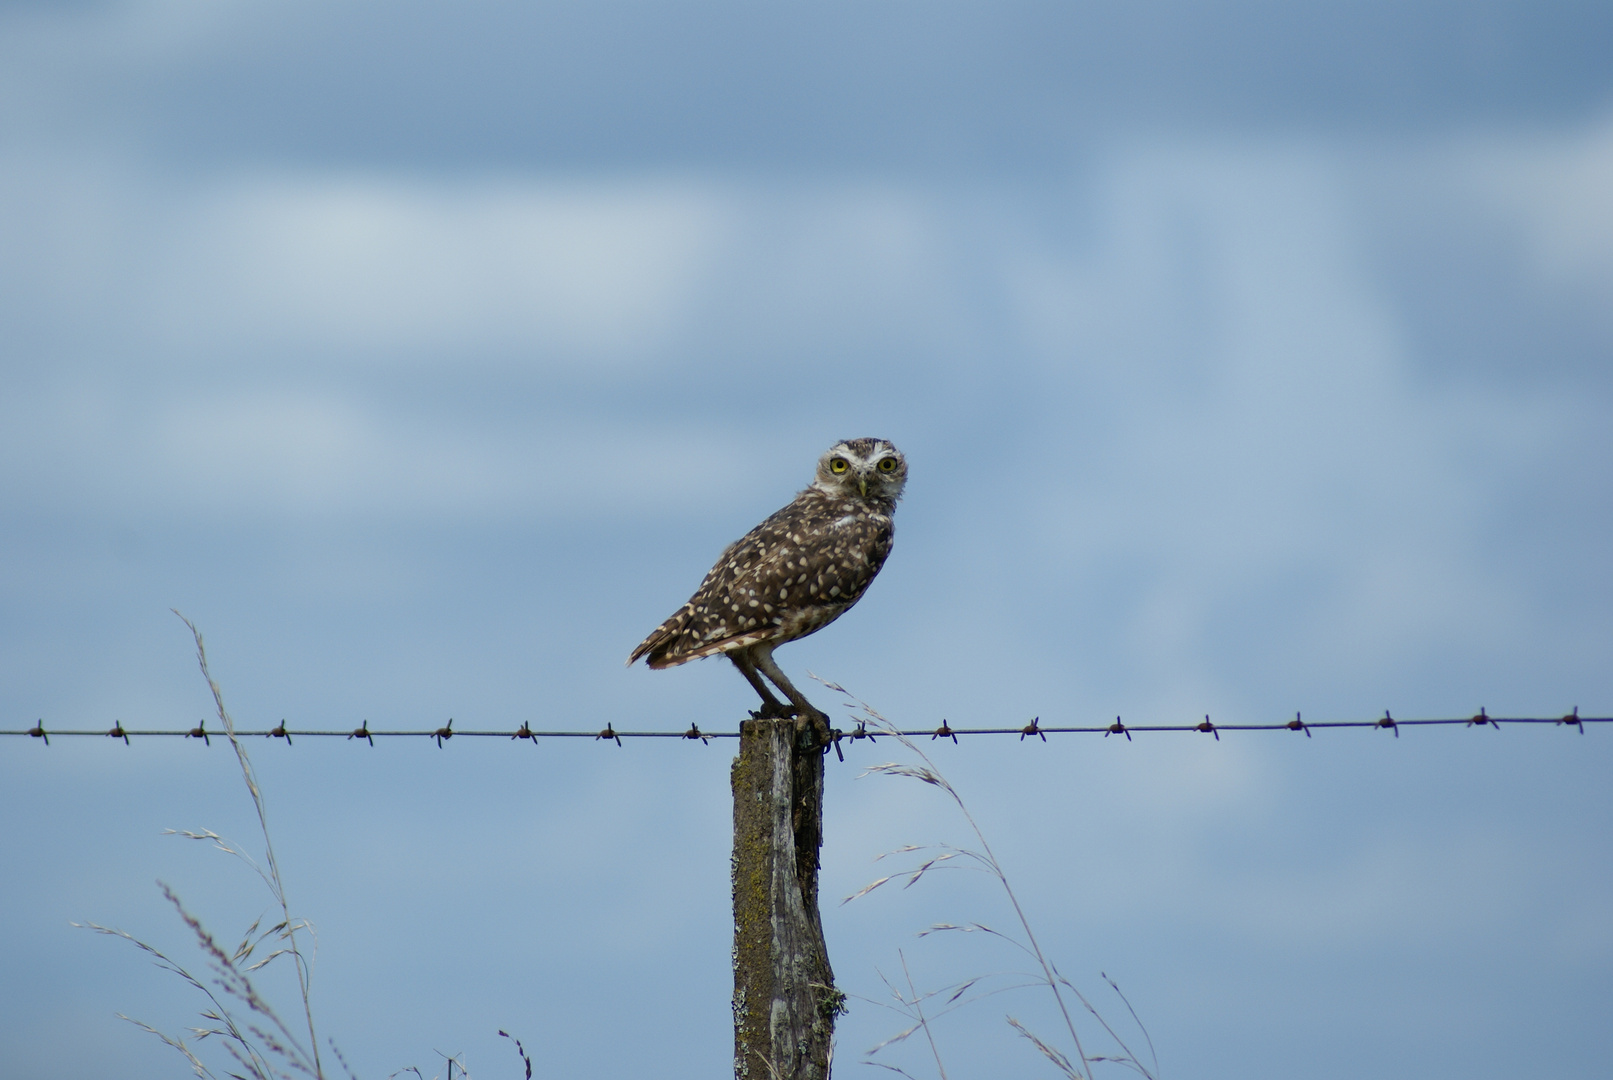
x=838, y=465
x=887, y=465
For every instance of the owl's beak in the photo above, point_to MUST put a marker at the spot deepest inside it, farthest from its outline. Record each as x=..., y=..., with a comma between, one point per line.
x=862, y=485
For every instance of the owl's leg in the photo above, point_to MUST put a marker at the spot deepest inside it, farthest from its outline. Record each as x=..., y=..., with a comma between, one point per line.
x=762, y=657
x=772, y=708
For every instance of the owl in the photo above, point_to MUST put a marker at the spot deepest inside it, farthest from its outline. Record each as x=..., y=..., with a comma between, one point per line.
x=792, y=575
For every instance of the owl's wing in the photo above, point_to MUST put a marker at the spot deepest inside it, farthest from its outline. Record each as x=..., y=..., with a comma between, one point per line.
x=794, y=573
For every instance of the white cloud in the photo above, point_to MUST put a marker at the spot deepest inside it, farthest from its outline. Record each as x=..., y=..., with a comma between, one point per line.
x=285, y=455
x=1255, y=420
x=390, y=269
x=1560, y=189
x=1212, y=366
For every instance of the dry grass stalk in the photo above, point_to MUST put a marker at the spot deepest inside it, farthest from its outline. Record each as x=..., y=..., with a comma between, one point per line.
x=984, y=860
x=260, y=1044
x=252, y=1033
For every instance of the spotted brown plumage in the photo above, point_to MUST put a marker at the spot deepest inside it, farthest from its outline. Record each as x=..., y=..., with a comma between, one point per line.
x=793, y=574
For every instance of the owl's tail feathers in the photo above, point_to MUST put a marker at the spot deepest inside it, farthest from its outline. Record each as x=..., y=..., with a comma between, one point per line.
x=643, y=649
x=653, y=661
x=661, y=647
x=668, y=650
x=673, y=643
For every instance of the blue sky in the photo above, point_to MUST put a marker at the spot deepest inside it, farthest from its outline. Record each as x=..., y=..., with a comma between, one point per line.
x=1249, y=358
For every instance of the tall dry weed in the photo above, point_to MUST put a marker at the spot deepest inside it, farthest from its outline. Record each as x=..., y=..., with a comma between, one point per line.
x=923, y=1008
x=238, y=1016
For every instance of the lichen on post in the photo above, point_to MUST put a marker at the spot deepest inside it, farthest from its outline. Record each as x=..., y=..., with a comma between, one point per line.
x=785, y=1001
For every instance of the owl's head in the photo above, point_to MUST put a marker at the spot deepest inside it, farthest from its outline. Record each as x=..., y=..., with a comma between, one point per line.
x=862, y=469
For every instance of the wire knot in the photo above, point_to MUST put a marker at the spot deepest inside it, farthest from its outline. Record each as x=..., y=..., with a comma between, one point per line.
x=835, y=735
x=1296, y=724
x=609, y=733
x=280, y=732
x=117, y=732
x=1388, y=722
x=943, y=732
x=525, y=733
x=444, y=732
x=1571, y=718
x=1117, y=728
x=1032, y=729
x=694, y=733
x=38, y=732
x=199, y=732
x=362, y=732
x=1209, y=727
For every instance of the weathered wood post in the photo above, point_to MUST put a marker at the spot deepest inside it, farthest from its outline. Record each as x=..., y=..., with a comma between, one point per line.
x=785, y=1001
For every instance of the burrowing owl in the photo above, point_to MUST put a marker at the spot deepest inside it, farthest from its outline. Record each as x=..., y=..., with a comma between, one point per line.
x=793, y=574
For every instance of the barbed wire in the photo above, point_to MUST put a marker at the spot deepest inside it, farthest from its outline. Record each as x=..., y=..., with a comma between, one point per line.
x=1034, y=729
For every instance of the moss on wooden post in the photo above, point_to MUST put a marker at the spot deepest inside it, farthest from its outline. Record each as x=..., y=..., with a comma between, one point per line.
x=785, y=1001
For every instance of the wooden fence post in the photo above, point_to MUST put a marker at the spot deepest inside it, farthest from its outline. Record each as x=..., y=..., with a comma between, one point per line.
x=785, y=1001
